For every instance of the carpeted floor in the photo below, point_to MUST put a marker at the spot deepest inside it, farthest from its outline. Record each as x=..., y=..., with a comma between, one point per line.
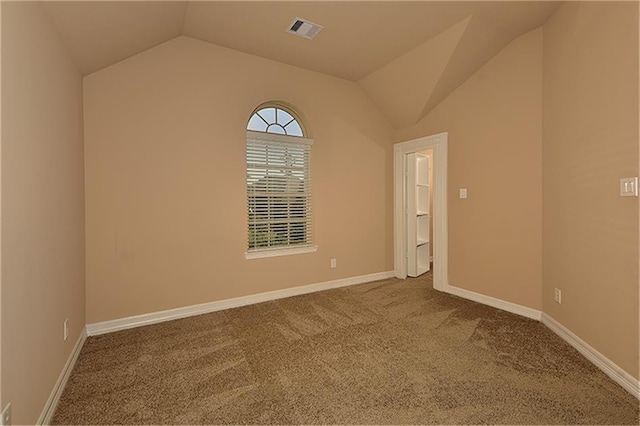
x=389, y=352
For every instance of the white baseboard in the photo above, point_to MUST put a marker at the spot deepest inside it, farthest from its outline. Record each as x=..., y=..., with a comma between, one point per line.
x=56, y=393
x=219, y=305
x=496, y=303
x=617, y=374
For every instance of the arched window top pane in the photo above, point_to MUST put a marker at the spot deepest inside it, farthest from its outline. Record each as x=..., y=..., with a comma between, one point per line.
x=294, y=129
x=275, y=120
x=268, y=114
x=284, y=117
x=257, y=124
x=276, y=128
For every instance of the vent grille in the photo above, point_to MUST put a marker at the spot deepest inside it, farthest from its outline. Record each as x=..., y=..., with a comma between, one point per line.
x=303, y=28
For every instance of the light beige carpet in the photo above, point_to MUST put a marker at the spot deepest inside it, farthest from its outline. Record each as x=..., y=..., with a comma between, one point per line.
x=389, y=352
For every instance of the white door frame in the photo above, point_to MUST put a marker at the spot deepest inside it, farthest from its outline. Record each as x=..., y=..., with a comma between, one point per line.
x=440, y=231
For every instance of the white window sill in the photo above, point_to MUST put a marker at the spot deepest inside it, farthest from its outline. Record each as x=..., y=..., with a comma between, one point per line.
x=279, y=252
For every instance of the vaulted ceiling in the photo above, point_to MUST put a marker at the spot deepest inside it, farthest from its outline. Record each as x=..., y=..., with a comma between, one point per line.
x=407, y=56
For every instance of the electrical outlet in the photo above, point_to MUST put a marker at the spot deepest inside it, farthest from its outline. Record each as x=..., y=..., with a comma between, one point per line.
x=333, y=263
x=629, y=187
x=6, y=415
x=558, y=295
x=66, y=329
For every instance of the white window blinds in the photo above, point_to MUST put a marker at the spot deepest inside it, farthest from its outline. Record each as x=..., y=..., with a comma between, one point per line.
x=278, y=191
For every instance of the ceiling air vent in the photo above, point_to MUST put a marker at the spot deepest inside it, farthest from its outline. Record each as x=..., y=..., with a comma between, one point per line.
x=304, y=28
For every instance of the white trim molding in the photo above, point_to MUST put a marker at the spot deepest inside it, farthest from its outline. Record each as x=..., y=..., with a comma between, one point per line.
x=440, y=243
x=260, y=254
x=617, y=374
x=219, y=305
x=496, y=303
x=611, y=369
x=56, y=393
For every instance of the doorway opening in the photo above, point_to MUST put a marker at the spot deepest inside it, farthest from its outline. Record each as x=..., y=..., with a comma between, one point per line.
x=437, y=145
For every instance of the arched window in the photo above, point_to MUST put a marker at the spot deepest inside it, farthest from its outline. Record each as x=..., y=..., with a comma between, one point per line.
x=278, y=183
x=276, y=120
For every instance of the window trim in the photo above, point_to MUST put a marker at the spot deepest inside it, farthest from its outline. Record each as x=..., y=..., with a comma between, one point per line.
x=275, y=252
x=276, y=137
x=309, y=247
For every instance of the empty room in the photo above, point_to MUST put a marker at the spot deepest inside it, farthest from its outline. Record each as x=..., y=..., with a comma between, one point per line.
x=319, y=212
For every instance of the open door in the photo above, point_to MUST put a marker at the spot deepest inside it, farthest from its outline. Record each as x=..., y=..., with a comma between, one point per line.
x=406, y=216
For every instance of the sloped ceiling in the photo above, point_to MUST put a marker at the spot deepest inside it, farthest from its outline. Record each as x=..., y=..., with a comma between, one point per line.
x=101, y=33
x=407, y=56
x=402, y=87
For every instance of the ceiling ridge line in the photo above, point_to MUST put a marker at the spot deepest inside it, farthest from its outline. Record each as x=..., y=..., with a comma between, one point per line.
x=184, y=17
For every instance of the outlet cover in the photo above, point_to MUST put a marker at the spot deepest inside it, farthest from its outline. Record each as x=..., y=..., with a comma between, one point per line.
x=629, y=187
x=66, y=329
x=333, y=263
x=6, y=415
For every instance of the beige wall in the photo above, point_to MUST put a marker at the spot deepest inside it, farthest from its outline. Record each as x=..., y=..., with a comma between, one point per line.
x=1, y=400
x=42, y=209
x=590, y=141
x=166, y=189
x=494, y=125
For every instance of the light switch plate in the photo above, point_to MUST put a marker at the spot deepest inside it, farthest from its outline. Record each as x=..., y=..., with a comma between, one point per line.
x=629, y=187
x=463, y=192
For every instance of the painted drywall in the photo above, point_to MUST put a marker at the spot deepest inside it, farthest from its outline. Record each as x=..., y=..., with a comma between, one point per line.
x=590, y=141
x=494, y=125
x=42, y=208
x=165, y=179
x=1, y=405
